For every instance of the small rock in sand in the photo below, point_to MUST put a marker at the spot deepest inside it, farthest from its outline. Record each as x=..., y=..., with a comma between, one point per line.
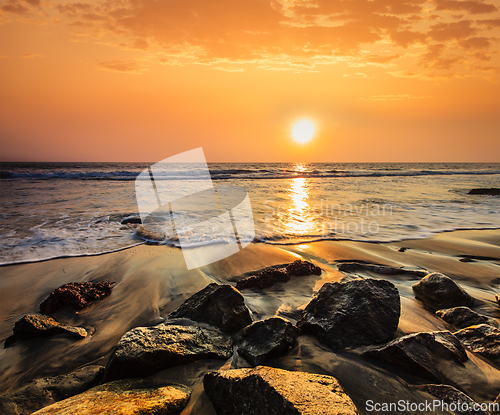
x=129, y=396
x=461, y=317
x=354, y=313
x=493, y=191
x=221, y=306
x=439, y=291
x=266, y=339
x=35, y=325
x=77, y=295
x=482, y=339
x=419, y=353
x=266, y=390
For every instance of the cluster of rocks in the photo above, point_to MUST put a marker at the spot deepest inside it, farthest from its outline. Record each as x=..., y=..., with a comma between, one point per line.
x=75, y=296
x=215, y=323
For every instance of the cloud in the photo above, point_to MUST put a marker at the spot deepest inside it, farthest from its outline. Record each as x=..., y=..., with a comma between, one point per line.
x=117, y=65
x=478, y=43
x=489, y=23
x=448, y=31
x=33, y=56
x=391, y=97
x=382, y=59
x=15, y=8
x=473, y=7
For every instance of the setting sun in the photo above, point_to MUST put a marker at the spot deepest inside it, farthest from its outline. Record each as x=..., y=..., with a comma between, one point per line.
x=303, y=131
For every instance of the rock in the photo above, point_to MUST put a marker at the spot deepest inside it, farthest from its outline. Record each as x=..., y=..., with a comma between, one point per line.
x=143, y=351
x=267, y=277
x=221, y=306
x=439, y=291
x=493, y=191
x=129, y=396
x=266, y=339
x=35, y=325
x=497, y=298
x=482, y=339
x=378, y=269
x=266, y=390
x=75, y=294
x=43, y=392
x=419, y=353
x=461, y=317
x=402, y=249
x=354, y=313
x=131, y=220
x=451, y=396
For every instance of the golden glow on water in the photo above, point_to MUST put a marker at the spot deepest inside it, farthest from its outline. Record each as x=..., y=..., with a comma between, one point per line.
x=297, y=218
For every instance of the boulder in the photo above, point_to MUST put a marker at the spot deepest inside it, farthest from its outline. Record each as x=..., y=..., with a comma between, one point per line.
x=451, y=396
x=221, y=306
x=266, y=339
x=482, y=339
x=143, y=351
x=354, y=313
x=439, y=291
x=131, y=220
x=493, y=191
x=77, y=295
x=267, y=277
x=35, y=325
x=461, y=317
x=497, y=298
x=129, y=396
x=46, y=391
x=266, y=390
x=419, y=353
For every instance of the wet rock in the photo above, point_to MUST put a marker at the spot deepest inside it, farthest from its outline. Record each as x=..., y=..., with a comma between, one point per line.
x=439, y=291
x=493, y=191
x=451, y=396
x=378, y=269
x=497, y=298
x=35, y=325
x=267, y=277
x=266, y=339
x=419, y=353
x=77, y=295
x=402, y=249
x=46, y=391
x=354, y=313
x=143, y=351
x=131, y=220
x=129, y=396
x=461, y=317
x=221, y=306
x=266, y=390
x=482, y=339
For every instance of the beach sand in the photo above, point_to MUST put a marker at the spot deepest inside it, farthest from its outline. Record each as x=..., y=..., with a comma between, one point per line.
x=152, y=281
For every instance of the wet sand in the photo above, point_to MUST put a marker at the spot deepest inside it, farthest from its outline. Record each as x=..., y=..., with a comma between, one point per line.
x=152, y=281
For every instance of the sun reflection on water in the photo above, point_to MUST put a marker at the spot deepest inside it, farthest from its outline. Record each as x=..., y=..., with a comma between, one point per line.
x=299, y=219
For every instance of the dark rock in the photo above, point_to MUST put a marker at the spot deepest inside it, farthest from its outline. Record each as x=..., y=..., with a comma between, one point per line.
x=467, y=260
x=43, y=392
x=35, y=325
x=75, y=294
x=497, y=298
x=482, y=339
x=419, y=353
x=143, y=351
x=266, y=390
x=267, y=277
x=493, y=191
x=461, y=317
x=131, y=220
x=354, y=313
x=219, y=305
x=302, y=268
x=402, y=249
x=378, y=269
x=439, y=291
x=129, y=396
x=266, y=339
x=451, y=396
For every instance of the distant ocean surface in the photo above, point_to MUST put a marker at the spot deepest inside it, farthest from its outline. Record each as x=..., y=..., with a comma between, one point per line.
x=50, y=210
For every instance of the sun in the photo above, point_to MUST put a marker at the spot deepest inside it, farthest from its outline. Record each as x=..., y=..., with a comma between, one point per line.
x=303, y=131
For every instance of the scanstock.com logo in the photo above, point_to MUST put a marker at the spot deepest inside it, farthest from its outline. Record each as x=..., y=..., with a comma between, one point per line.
x=177, y=197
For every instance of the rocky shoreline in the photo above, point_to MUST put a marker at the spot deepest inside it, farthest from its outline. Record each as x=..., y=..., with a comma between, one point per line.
x=353, y=323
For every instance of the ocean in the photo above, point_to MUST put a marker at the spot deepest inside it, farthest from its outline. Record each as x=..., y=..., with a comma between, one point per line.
x=50, y=210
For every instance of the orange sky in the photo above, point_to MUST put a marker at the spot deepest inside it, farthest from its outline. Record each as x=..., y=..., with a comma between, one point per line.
x=141, y=80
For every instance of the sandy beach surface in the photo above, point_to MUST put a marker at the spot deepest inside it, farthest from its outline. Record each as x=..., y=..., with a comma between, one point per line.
x=152, y=281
